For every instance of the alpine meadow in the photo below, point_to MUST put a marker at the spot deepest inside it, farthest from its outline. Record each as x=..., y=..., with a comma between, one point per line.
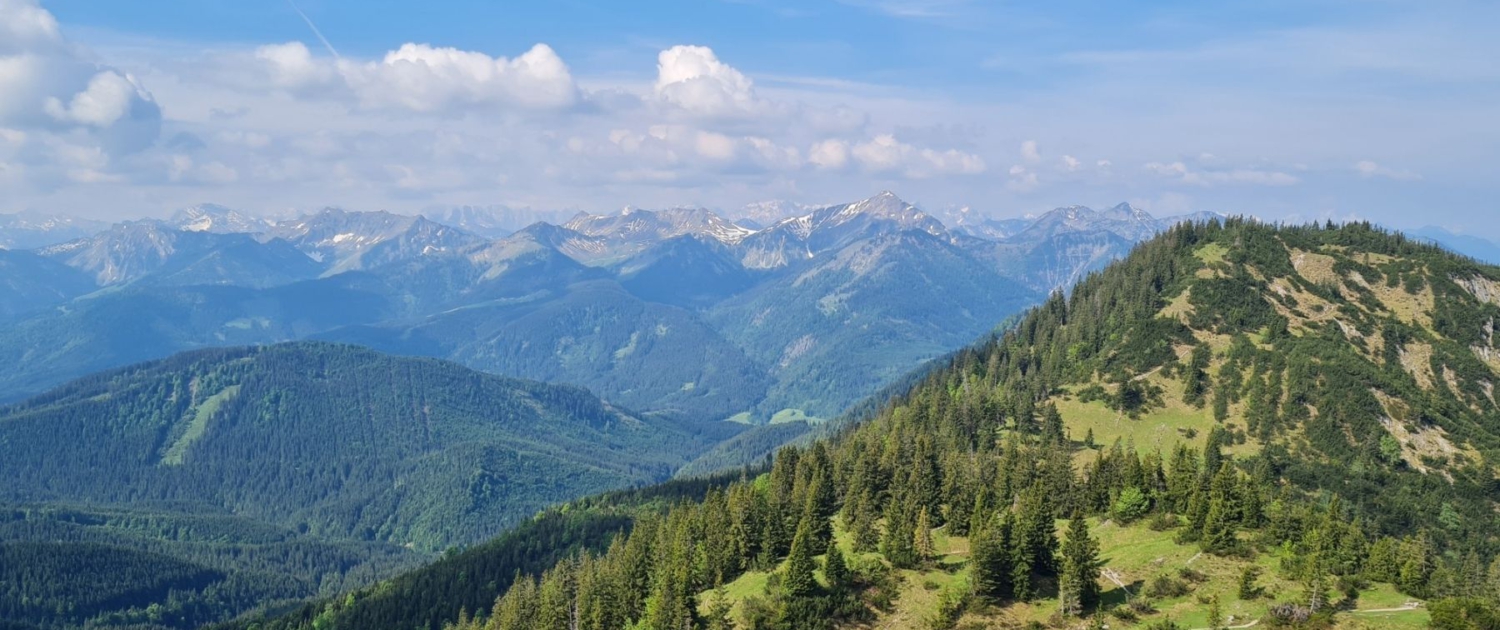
x=749, y=315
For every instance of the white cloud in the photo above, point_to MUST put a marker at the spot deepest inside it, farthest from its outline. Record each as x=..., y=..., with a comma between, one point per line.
x=50, y=86
x=1246, y=176
x=25, y=25
x=423, y=78
x=715, y=146
x=885, y=153
x=292, y=66
x=1369, y=169
x=1070, y=163
x=692, y=78
x=1029, y=152
x=773, y=154
x=829, y=154
x=1022, y=179
x=108, y=98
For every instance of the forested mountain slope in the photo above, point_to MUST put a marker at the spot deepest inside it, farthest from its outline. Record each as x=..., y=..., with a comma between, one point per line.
x=299, y=463
x=1307, y=410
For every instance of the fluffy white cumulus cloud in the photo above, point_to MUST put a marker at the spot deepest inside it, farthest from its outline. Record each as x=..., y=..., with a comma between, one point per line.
x=884, y=153
x=423, y=78
x=292, y=66
x=692, y=78
x=24, y=25
x=50, y=86
x=108, y=98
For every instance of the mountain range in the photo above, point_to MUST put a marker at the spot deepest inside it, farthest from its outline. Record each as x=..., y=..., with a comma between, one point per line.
x=1292, y=427
x=676, y=311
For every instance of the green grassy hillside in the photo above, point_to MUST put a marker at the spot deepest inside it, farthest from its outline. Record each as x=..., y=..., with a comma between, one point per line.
x=294, y=470
x=1314, y=403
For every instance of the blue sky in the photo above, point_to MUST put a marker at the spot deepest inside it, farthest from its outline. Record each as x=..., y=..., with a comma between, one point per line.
x=1378, y=109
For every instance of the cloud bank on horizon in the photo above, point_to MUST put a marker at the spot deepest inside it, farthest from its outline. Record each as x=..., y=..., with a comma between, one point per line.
x=1311, y=110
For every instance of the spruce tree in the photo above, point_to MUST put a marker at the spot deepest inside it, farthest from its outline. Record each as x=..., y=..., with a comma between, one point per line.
x=897, y=543
x=1221, y=521
x=1195, y=376
x=1078, y=581
x=922, y=538
x=990, y=555
x=719, y=610
x=798, y=579
x=818, y=511
x=836, y=569
x=1248, y=590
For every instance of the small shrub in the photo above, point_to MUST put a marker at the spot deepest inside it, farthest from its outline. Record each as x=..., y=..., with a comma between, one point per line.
x=1124, y=613
x=1192, y=575
x=1166, y=587
x=1164, y=521
x=1165, y=624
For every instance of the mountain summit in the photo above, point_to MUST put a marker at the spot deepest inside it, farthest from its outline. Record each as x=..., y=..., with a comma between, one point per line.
x=1260, y=407
x=218, y=219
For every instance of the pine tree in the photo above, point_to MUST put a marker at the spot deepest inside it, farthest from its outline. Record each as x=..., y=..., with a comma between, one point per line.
x=818, y=511
x=1215, y=614
x=554, y=609
x=990, y=555
x=1195, y=376
x=1052, y=425
x=1492, y=582
x=836, y=569
x=798, y=580
x=922, y=538
x=1248, y=589
x=719, y=609
x=863, y=527
x=898, y=540
x=1078, y=581
x=1221, y=521
x=1416, y=566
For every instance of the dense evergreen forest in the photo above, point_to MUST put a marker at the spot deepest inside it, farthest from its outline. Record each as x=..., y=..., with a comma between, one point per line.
x=219, y=481
x=1310, y=406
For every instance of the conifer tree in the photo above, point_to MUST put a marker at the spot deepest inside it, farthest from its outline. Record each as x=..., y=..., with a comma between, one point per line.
x=1416, y=566
x=1248, y=590
x=1492, y=582
x=990, y=554
x=1195, y=376
x=897, y=543
x=1078, y=580
x=818, y=511
x=798, y=580
x=1221, y=521
x=836, y=569
x=1052, y=425
x=922, y=538
x=719, y=609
